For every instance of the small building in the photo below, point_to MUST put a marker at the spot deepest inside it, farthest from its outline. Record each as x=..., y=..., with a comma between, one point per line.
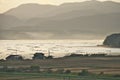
x=38, y=56
x=14, y=57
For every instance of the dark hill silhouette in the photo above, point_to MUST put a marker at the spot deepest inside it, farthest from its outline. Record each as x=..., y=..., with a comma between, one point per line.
x=112, y=40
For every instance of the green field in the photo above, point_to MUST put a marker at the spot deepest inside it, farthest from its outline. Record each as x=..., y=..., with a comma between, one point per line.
x=95, y=65
x=45, y=76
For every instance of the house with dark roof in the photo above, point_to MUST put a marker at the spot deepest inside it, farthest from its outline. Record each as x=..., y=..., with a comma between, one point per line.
x=38, y=56
x=14, y=57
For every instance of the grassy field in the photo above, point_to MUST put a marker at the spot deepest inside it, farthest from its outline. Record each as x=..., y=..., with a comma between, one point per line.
x=109, y=65
x=39, y=76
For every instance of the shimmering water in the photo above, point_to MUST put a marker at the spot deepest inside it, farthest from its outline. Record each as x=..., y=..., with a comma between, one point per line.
x=57, y=48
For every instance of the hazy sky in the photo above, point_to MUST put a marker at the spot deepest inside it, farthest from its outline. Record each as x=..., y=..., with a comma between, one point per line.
x=8, y=4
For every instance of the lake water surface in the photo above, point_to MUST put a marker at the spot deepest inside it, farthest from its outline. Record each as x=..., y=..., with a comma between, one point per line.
x=57, y=48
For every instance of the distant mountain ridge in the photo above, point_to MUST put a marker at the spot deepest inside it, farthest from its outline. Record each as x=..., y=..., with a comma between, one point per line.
x=83, y=20
x=28, y=11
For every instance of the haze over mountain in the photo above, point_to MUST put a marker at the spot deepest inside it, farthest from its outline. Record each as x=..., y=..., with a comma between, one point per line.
x=28, y=11
x=83, y=20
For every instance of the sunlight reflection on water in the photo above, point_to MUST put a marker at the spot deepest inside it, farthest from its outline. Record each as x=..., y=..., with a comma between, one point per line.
x=57, y=48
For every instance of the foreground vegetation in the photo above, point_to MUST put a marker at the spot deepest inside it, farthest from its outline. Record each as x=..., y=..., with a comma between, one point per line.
x=52, y=76
x=66, y=68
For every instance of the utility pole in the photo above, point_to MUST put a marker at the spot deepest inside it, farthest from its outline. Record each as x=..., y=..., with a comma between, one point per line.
x=48, y=52
x=16, y=52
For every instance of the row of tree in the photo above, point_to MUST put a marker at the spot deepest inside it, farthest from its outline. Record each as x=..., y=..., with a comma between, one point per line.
x=37, y=69
x=86, y=55
x=32, y=69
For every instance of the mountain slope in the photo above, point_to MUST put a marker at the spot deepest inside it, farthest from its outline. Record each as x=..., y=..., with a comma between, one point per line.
x=84, y=20
x=27, y=11
x=8, y=21
x=80, y=27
